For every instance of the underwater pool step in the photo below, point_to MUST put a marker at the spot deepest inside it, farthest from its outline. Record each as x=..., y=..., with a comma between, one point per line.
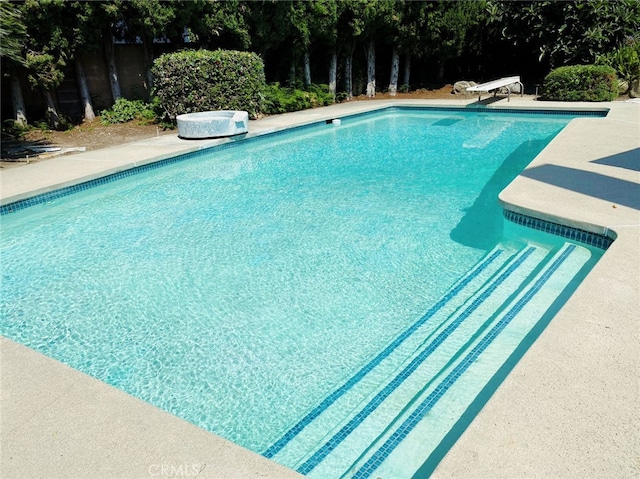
x=393, y=380
x=308, y=433
x=440, y=350
x=425, y=421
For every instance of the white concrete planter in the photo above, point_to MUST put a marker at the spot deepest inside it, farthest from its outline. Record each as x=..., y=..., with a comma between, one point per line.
x=212, y=124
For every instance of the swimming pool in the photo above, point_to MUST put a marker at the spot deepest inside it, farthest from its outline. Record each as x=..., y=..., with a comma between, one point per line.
x=367, y=252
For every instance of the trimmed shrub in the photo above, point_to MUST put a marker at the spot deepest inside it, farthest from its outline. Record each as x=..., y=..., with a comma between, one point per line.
x=190, y=81
x=279, y=99
x=581, y=83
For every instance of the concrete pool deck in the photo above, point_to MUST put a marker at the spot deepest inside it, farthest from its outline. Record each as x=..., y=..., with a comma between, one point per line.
x=569, y=408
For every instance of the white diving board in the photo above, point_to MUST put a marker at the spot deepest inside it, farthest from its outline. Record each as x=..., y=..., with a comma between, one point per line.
x=495, y=84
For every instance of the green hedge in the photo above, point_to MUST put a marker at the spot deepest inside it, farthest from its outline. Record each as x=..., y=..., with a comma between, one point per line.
x=581, y=83
x=279, y=99
x=200, y=80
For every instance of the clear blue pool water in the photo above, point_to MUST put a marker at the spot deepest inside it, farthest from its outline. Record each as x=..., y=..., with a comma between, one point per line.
x=241, y=288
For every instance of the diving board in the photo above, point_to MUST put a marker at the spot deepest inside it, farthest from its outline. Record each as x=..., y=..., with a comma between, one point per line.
x=495, y=84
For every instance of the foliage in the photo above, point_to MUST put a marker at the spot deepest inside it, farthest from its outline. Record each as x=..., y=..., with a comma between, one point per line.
x=125, y=110
x=199, y=80
x=12, y=32
x=449, y=25
x=626, y=61
x=220, y=24
x=48, y=42
x=279, y=99
x=342, y=97
x=581, y=83
x=44, y=71
x=478, y=38
x=14, y=129
x=567, y=32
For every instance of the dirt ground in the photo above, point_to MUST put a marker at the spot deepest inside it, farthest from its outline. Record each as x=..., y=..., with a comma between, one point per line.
x=39, y=145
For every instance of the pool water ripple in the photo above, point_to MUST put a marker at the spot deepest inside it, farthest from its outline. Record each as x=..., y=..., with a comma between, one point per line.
x=237, y=289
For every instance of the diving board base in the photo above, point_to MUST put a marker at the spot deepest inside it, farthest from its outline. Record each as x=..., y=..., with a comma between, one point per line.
x=494, y=85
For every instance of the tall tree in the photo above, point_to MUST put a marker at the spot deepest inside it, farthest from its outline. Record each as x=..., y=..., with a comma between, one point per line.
x=112, y=23
x=377, y=18
x=85, y=37
x=48, y=49
x=321, y=19
x=58, y=31
x=13, y=35
x=270, y=29
x=301, y=24
x=447, y=30
x=348, y=31
x=394, y=23
x=362, y=21
x=143, y=21
x=410, y=34
x=46, y=74
x=326, y=34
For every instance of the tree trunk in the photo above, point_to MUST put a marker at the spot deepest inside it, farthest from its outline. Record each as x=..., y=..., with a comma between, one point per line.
x=333, y=73
x=440, y=72
x=371, y=68
x=292, y=74
x=348, y=79
x=395, y=70
x=114, y=82
x=18, y=101
x=407, y=69
x=307, y=68
x=53, y=119
x=148, y=58
x=87, y=107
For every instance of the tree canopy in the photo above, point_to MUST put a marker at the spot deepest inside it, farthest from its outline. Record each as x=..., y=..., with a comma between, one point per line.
x=309, y=40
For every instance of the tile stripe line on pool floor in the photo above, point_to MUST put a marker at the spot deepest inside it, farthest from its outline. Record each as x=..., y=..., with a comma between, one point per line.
x=420, y=412
x=379, y=398
x=333, y=397
x=575, y=234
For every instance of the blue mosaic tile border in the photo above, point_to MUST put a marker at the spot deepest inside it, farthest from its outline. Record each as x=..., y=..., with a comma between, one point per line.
x=421, y=411
x=49, y=196
x=598, y=113
x=348, y=428
x=334, y=396
x=575, y=234
x=69, y=190
x=481, y=109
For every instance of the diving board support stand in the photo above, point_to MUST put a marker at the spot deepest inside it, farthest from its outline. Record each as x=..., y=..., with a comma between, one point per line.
x=495, y=85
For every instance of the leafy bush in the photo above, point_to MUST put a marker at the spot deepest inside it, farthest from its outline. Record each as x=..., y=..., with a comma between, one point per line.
x=14, y=130
x=342, y=96
x=200, y=80
x=581, y=83
x=279, y=99
x=626, y=61
x=124, y=110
